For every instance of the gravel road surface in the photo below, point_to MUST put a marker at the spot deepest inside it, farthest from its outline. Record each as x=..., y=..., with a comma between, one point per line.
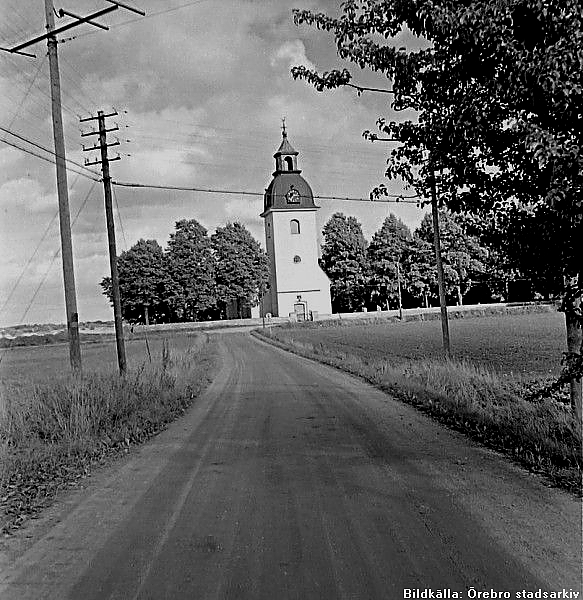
x=288, y=479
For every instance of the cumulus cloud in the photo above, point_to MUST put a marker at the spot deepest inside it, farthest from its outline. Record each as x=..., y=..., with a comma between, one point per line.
x=27, y=194
x=291, y=54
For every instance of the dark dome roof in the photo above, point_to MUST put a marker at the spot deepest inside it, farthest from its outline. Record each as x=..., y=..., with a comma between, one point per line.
x=285, y=148
x=281, y=194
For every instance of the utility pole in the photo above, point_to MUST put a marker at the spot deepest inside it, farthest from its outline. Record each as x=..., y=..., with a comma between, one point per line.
x=59, y=139
x=399, y=289
x=63, y=195
x=105, y=160
x=439, y=264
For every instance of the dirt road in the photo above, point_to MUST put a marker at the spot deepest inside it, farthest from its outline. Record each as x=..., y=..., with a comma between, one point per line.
x=289, y=480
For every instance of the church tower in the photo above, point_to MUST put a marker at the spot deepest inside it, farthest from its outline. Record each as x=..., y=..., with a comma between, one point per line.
x=297, y=284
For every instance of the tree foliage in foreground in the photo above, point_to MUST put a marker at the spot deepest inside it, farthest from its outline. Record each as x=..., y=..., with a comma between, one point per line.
x=498, y=96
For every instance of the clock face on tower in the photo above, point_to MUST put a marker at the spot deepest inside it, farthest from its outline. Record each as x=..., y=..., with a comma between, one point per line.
x=293, y=196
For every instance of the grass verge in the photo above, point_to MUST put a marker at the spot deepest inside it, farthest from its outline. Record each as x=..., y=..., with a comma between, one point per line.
x=543, y=436
x=53, y=434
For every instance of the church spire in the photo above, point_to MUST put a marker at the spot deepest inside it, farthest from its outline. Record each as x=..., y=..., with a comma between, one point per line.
x=286, y=156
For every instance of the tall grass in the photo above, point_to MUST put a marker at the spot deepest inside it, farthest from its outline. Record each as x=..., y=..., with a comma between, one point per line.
x=543, y=436
x=51, y=434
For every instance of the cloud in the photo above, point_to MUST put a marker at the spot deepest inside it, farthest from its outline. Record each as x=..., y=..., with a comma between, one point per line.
x=9, y=157
x=291, y=54
x=27, y=194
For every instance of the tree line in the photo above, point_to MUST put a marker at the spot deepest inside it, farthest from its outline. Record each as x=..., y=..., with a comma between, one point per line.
x=397, y=268
x=196, y=278
x=200, y=277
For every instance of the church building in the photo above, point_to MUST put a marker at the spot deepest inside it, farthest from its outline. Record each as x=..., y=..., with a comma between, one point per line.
x=297, y=284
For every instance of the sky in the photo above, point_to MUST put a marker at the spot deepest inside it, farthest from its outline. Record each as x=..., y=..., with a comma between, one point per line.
x=200, y=88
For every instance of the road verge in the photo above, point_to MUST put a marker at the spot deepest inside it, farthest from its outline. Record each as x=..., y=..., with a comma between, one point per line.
x=52, y=435
x=541, y=436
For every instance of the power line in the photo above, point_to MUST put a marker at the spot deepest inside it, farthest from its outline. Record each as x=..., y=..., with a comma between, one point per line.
x=123, y=234
x=148, y=16
x=40, y=147
x=8, y=56
x=46, y=159
x=29, y=261
x=397, y=197
x=28, y=90
x=33, y=255
x=364, y=149
x=49, y=268
x=56, y=254
x=78, y=84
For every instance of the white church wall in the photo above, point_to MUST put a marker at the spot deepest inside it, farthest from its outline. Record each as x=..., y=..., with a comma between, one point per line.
x=317, y=301
x=296, y=263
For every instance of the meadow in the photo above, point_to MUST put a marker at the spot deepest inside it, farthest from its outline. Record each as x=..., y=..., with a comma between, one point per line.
x=42, y=363
x=524, y=346
x=54, y=428
x=484, y=391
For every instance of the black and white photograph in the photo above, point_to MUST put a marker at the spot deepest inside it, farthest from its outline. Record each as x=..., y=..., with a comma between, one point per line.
x=291, y=299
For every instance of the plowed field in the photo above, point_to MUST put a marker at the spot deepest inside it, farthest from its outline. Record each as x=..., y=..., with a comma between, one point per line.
x=527, y=345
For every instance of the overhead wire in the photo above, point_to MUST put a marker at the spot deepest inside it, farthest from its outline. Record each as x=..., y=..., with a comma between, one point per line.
x=49, y=268
x=23, y=26
x=34, y=253
x=14, y=8
x=398, y=197
x=119, y=219
x=27, y=92
x=51, y=152
x=68, y=66
x=54, y=257
x=147, y=16
x=45, y=158
x=28, y=263
x=65, y=106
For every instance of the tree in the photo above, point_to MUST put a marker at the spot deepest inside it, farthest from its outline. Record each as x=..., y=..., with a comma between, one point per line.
x=192, y=270
x=464, y=259
x=523, y=250
x=242, y=267
x=499, y=104
x=419, y=270
x=386, y=252
x=143, y=281
x=344, y=261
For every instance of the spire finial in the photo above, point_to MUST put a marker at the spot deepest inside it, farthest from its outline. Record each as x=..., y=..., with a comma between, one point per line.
x=283, y=131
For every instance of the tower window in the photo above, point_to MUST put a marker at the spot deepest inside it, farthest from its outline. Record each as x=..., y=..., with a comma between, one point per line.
x=294, y=226
x=289, y=161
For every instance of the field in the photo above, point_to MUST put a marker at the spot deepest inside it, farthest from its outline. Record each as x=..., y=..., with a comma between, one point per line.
x=39, y=364
x=525, y=346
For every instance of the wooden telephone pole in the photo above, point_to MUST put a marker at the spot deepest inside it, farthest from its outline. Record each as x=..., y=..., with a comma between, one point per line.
x=105, y=160
x=439, y=265
x=63, y=194
x=60, y=160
